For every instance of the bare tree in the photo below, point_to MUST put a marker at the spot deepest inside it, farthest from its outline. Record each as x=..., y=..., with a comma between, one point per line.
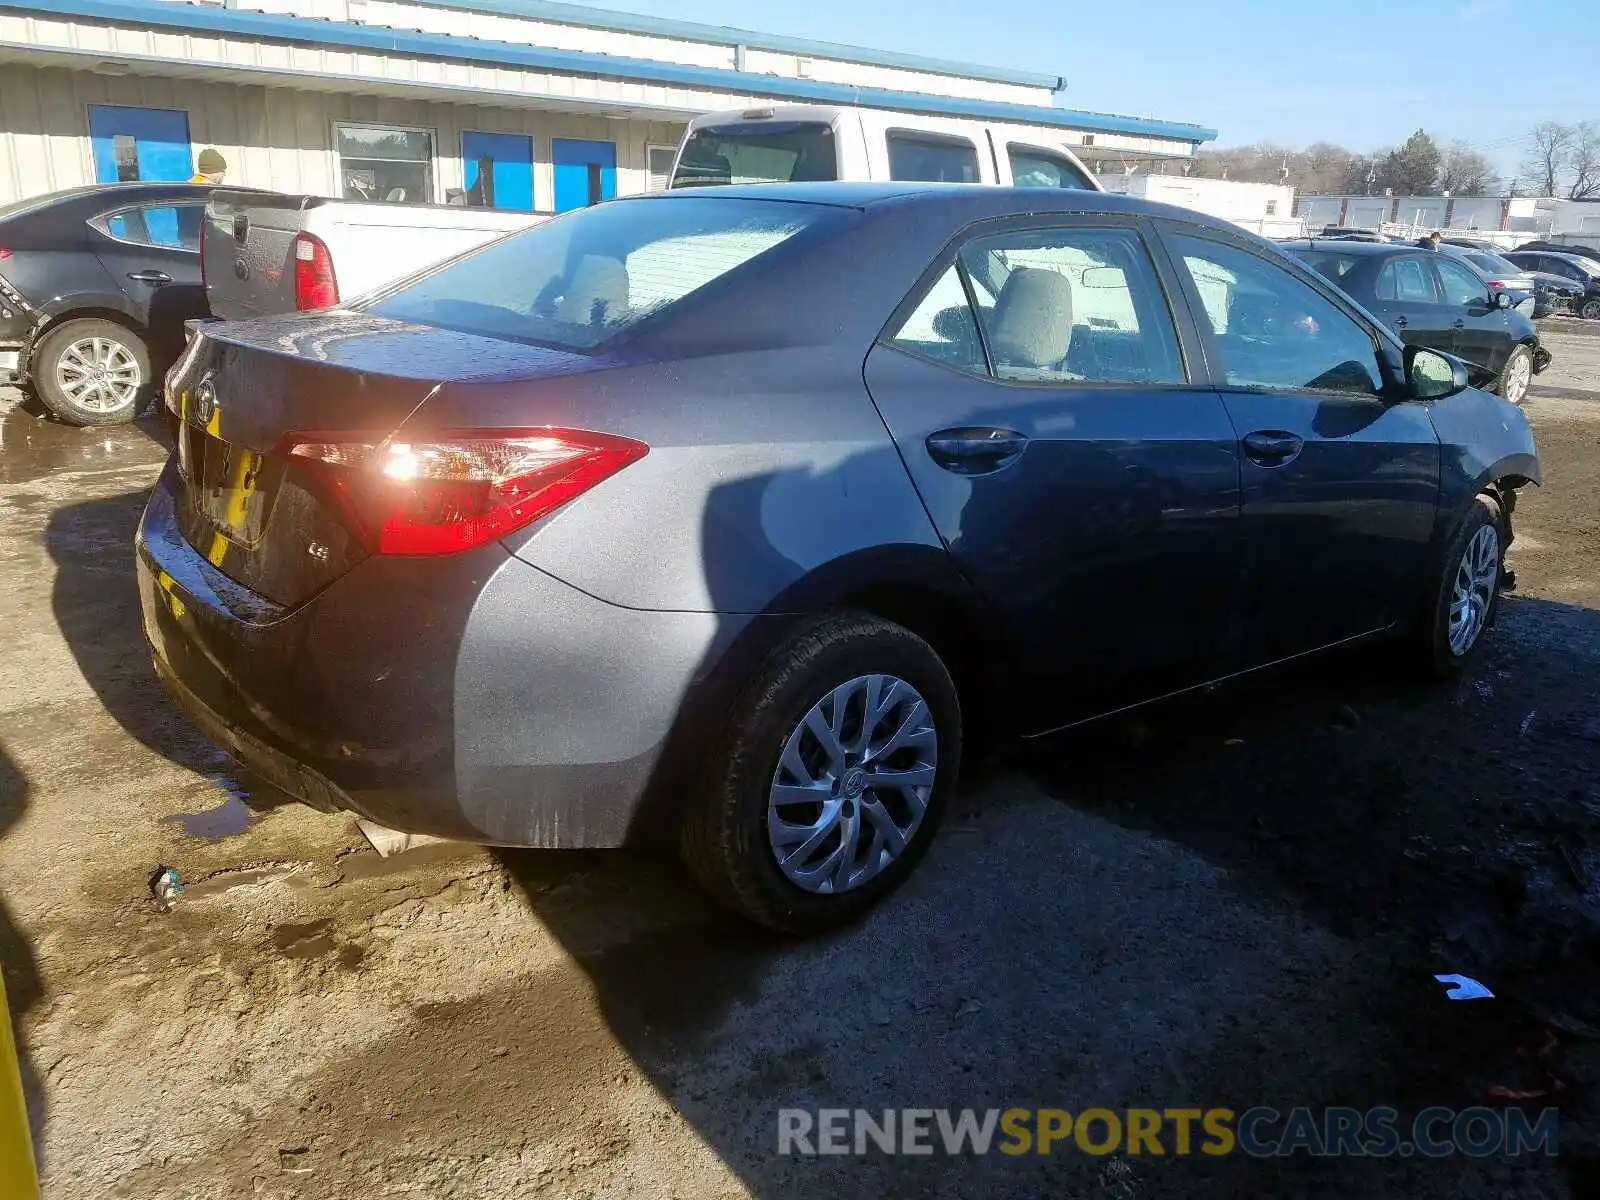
x=1549, y=156
x=1466, y=172
x=1583, y=161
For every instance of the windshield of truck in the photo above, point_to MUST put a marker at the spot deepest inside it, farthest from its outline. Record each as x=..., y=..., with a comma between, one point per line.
x=758, y=152
x=581, y=279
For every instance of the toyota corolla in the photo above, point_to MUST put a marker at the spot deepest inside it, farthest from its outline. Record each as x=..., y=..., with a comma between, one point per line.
x=728, y=516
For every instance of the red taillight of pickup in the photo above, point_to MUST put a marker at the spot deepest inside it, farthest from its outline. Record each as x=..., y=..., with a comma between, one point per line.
x=315, y=285
x=458, y=490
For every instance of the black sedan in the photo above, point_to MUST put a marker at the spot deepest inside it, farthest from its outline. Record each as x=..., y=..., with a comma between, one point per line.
x=720, y=514
x=95, y=284
x=1432, y=299
x=1582, y=274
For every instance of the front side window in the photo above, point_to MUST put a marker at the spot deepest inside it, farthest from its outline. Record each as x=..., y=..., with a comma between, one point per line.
x=1461, y=286
x=1073, y=305
x=169, y=226
x=385, y=164
x=1405, y=280
x=919, y=158
x=1275, y=332
x=758, y=152
x=1031, y=167
x=579, y=281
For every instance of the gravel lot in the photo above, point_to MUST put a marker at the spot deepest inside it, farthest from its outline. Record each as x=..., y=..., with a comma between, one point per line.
x=1230, y=902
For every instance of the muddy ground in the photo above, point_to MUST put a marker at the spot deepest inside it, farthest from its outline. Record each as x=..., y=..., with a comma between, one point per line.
x=1234, y=901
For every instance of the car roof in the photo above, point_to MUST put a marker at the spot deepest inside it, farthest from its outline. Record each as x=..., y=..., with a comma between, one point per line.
x=955, y=201
x=1350, y=246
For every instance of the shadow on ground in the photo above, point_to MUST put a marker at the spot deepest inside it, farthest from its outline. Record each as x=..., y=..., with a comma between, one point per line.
x=24, y=987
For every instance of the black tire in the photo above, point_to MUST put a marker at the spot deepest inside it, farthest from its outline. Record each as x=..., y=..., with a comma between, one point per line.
x=47, y=357
x=724, y=836
x=1518, y=354
x=1432, y=636
x=1590, y=310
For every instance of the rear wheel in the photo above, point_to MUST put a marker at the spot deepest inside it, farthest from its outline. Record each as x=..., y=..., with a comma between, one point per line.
x=1466, y=590
x=1590, y=310
x=1516, y=375
x=830, y=780
x=92, y=372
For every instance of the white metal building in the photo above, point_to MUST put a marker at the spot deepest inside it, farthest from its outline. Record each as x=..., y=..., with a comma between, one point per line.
x=522, y=104
x=1527, y=215
x=1262, y=208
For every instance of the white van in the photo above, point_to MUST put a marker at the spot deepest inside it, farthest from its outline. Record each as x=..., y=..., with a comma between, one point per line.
x=808, y=142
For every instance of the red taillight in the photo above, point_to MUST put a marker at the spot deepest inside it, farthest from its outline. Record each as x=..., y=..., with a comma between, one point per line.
x=1495, y=283
x=4, y=253
x=314, y=283
x=457, y=490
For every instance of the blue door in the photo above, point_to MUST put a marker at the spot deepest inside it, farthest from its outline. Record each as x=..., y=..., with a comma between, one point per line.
x=499, y=170
x=133, y=144
x=586, y=172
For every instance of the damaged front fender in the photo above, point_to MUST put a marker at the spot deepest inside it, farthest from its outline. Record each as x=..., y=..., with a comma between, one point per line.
x=1486, y=444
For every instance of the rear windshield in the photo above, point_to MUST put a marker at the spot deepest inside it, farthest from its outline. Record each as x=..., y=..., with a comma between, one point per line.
x=1328, y=263
x=1494, y=264
x=578, y=280
x=758, y=152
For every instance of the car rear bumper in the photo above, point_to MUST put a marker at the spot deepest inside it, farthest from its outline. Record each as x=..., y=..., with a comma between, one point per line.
x=471, y=697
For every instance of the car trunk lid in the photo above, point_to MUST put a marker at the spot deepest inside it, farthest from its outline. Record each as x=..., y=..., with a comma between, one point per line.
x=247, y=395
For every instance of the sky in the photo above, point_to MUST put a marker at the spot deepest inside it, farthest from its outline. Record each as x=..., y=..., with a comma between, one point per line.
x=1362, y=73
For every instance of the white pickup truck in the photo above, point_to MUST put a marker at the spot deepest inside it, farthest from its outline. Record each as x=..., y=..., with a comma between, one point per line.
x=792, y=143
x=265, y=253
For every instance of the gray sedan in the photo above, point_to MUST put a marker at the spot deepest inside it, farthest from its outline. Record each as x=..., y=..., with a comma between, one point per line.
x=731, y=516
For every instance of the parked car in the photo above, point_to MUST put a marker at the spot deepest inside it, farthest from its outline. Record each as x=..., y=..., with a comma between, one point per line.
x=1563, y=248
x=1581, y=274
x=1431, y=298
x=792, y=143
x=1498, y=273
x=666, y=518
x=95, y=284
x=272, y=252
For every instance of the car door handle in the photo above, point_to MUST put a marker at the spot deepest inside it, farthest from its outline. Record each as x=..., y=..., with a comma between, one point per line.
x=1272, y=447
x=156, y=277
x=1401, y=322
x=1461, y=323
x=975, y=451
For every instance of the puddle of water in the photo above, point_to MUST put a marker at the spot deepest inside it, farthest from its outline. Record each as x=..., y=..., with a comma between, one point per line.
x=228, y=819
x=372, y=866
x=309, y=940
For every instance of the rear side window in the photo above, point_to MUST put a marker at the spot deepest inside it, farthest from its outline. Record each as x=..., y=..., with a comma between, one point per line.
x=758, y=152
x=580, y=280
x=1405, y=280
x=1055, y=305
x=169, y=226
x=920, y=158
x=1328, y=263
x=1031, y=167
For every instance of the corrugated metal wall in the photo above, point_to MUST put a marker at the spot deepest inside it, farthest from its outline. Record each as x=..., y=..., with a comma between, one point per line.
x=275, y=137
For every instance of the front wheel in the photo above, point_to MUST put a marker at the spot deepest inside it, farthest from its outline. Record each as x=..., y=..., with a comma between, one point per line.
x=1466, y=590
x=92, y=372
x=831, y=777
x=1516, y=375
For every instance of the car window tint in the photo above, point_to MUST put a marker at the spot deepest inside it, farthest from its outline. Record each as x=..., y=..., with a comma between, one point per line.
x=1073, y=305
x=1274, y=331
x=1460, y=285
x=1040, y=168
x=932, y=159
x=942, y=327
x=1405, y=279
x=172, y=226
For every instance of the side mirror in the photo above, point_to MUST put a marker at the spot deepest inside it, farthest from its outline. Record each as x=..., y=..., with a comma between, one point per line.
x=1502, y=299
x=1433, y=376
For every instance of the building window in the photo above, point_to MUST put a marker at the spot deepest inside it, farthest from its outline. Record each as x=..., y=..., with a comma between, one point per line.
x=1272, y=208
x=658, y=163
x=382, y=162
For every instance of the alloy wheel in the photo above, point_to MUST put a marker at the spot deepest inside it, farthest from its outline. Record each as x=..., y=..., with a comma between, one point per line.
x=1477, y=576
x=99, y=374
x=852, y=785
x=1519, y=371
x=1590, y=310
